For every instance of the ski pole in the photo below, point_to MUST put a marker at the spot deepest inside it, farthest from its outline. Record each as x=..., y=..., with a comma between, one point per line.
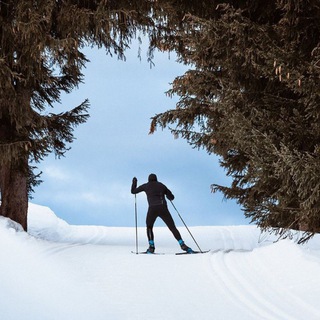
x=186, y=226
x=136, y=221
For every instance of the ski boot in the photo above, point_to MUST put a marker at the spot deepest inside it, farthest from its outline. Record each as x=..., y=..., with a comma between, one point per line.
x=151, y=247
x=184, y=247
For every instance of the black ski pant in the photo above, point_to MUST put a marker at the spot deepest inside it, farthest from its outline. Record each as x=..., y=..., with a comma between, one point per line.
x=162, y=212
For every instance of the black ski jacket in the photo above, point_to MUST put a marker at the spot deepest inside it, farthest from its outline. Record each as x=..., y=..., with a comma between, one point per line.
x=156, y=191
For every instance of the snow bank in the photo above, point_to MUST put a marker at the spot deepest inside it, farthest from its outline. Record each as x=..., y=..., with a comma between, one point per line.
x=63, y=272
x=44, y=224
x=35, y=286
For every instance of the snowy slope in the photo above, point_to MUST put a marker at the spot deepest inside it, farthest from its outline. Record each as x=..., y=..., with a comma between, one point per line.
x=64, y=272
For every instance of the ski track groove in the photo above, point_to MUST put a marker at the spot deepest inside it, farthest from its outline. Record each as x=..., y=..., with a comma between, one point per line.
x=60, y=247
x=242, y=288
x=241, y=291
x=235, y=290
x=97, y=236
x=223, y=237
x=287, y=297
x=237, y=277
x=256, y=296
x=220, y=285
x=230, y=237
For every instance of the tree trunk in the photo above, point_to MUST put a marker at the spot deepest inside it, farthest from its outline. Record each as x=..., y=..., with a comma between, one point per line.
x=14, y=162
x=14, y=194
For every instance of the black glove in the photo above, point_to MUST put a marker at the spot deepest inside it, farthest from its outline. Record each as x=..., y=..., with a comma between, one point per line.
x=134, y=185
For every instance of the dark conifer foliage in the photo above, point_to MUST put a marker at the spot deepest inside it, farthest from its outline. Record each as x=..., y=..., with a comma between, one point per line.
x=252, y=97
x=41, y=56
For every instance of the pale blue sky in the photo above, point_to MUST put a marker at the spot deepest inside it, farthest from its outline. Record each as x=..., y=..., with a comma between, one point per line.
x=91, y=185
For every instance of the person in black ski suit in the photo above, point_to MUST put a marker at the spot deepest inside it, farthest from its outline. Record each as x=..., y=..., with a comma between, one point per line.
x=156, y=193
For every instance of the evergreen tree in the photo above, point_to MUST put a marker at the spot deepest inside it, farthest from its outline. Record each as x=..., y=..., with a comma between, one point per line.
x=252, y=97
x=40, y=57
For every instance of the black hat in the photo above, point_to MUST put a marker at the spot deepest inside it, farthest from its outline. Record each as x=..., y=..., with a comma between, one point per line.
x=152, y=177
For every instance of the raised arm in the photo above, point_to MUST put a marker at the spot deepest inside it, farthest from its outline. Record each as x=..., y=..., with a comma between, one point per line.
x=134, y=188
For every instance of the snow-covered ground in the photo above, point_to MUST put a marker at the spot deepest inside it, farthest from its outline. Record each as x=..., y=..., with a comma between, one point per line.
x=64, y=272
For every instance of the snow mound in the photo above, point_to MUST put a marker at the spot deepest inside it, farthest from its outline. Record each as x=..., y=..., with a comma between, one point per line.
x=63, y=272
x=10, y=224
x=44, y=224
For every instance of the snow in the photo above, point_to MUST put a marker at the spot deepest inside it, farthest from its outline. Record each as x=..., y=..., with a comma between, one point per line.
x=58, y=271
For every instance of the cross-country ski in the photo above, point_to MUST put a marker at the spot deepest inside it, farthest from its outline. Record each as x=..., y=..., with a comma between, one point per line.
x=150, y=253
x=176, y=253
x=191, y=253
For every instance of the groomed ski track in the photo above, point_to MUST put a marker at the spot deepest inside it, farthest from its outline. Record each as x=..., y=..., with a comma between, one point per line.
x=244, y=276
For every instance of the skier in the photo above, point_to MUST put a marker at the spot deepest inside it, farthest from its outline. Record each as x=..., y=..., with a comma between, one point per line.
x=156, y=192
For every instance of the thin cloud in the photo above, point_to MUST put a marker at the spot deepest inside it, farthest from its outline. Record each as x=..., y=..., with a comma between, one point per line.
x=56, y=173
